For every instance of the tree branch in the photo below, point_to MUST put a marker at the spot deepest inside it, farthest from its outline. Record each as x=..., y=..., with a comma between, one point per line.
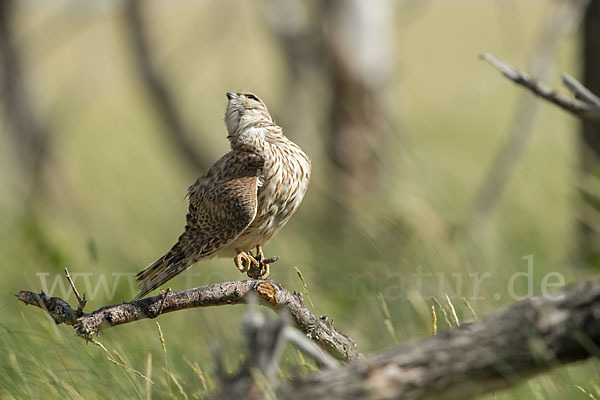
x=320, y=330
x=585, y=104
x=564, y=18
x=529, y=338
x=504, y=349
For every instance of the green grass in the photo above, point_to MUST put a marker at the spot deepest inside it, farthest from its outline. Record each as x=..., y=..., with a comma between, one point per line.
x=115, y=196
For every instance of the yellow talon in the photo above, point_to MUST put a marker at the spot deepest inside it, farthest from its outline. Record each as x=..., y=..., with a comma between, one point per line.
x=259, y=252
x=263, y=268
x=244, y=261
x=266, y=272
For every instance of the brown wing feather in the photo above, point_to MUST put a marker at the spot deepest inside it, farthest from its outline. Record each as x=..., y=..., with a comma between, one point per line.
x=222, y=205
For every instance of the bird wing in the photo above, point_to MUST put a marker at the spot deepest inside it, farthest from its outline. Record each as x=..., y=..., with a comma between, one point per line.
x=222, y=205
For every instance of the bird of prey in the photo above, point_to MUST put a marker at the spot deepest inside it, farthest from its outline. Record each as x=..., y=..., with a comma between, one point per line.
x=242, y=200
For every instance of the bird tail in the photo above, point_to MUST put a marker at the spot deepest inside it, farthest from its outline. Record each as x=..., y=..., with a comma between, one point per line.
x=162, y=270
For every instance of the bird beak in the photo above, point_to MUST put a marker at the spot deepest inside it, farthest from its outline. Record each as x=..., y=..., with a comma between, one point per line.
x=231, y=95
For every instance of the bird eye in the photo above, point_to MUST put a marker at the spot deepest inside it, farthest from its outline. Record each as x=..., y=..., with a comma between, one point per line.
x=253, y=97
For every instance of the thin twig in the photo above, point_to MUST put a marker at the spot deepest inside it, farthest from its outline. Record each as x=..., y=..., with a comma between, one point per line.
x=580, y=91
x=270, y=260
x=81, y=300
x=564, y=18
x=585, y=104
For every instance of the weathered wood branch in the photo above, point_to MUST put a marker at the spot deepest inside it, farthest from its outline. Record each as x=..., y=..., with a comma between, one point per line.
x=584, y=104
x=504, y=349
x=320, y=330
x=266, y=338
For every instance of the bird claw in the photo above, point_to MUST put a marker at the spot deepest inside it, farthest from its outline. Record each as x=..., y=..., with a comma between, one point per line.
x=260, y=272
x=244, y=261
x=257, y=267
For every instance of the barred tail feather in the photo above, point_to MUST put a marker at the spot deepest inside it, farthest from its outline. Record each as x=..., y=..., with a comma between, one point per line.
x=162, y=270
x=146, y=277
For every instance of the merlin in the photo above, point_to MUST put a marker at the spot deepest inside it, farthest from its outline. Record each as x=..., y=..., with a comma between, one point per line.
x=242, y=200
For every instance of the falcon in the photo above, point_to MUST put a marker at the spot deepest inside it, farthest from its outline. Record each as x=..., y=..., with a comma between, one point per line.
x=241, y=201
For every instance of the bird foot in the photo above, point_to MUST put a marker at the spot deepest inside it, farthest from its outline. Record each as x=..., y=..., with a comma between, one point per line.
x=245, y=261
x=257, y=267
x=262, y=271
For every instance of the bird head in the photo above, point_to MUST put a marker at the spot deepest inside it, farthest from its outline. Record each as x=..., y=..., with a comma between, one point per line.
x=245, y=110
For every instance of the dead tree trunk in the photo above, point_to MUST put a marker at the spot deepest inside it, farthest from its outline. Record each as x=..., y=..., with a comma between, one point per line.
x=589, y=232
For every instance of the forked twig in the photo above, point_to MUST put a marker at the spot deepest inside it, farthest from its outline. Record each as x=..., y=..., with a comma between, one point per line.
x=584, y=104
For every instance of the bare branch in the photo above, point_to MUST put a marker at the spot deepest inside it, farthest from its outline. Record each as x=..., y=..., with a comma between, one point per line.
x=320, y=330
x=300, y=341
x=580, y=91
x=584, y=105
x=563, y=19
x=265, y=340
x=529, y=338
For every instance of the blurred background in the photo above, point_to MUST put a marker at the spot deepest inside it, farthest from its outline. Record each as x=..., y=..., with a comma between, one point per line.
x=432, y=174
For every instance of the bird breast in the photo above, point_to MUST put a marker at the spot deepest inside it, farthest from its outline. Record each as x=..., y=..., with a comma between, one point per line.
x=284, y=181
